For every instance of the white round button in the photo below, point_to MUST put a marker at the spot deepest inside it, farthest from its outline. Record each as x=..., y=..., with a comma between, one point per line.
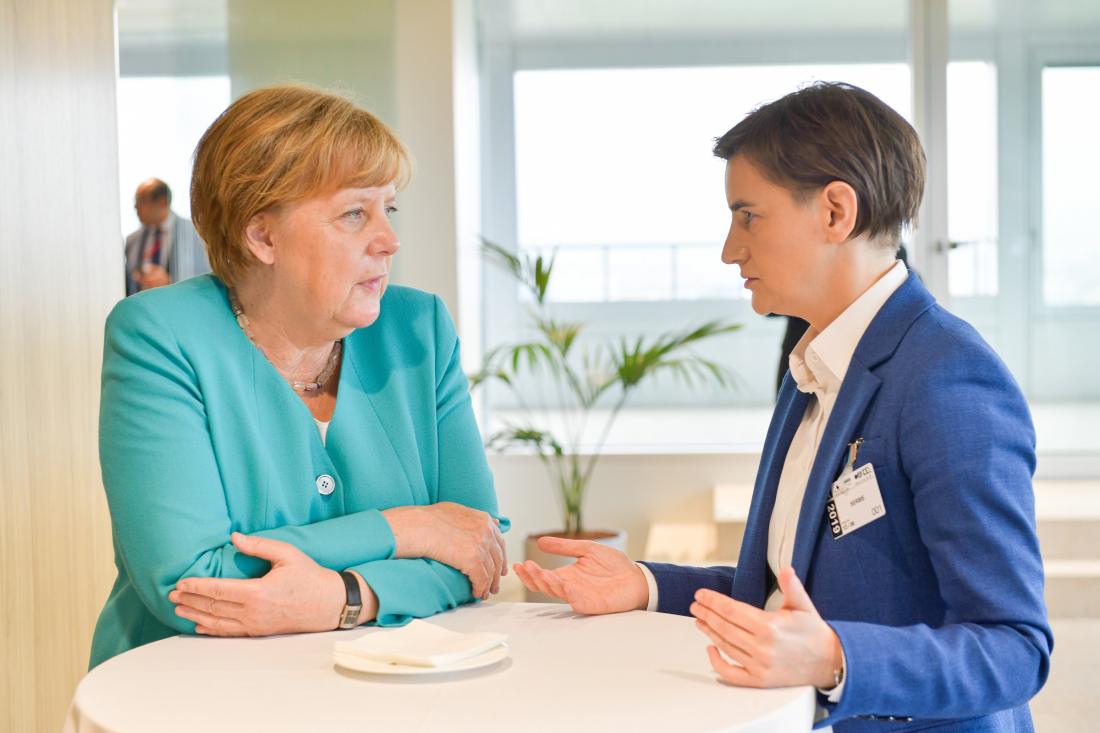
x=326, y=484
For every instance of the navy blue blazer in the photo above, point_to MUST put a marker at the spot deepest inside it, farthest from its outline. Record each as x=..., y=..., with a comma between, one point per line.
x=939, y=604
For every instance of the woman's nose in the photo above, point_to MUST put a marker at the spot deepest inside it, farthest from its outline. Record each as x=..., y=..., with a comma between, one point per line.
x=385, y=242
x=732, y=254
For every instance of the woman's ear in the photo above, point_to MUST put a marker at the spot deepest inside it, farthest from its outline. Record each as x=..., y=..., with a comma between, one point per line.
x=257, y=237
x=840, y=207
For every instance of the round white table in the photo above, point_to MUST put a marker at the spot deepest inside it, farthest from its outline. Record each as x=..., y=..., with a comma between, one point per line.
x=634, y=671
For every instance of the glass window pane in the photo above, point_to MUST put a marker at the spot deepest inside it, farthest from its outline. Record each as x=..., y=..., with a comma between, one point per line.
x=600, y=163
x=1071, y=239
x=640, y=273
x=700, y=275
x=160, y=121
x=972, y=177
x=578, y=275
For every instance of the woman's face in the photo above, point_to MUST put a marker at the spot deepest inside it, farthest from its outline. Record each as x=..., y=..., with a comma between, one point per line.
x=775, y=240
x=330, y=258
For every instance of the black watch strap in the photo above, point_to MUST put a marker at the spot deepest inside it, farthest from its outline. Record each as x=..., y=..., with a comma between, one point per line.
x=349, y=617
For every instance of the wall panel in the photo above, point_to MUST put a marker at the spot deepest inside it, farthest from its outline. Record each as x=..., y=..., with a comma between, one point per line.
x=60, y=273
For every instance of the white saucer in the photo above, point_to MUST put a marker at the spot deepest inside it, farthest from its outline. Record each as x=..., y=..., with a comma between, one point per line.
x=361, y=664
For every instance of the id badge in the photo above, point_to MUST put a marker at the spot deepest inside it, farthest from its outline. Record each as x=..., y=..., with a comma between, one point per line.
x=856, y=501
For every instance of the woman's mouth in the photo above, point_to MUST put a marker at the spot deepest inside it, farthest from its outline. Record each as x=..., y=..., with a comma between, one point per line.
x=373, y=284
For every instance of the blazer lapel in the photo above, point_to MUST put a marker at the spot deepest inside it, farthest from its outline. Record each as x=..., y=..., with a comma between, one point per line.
x=878, y=344
x=855, y=397
x=750, y=583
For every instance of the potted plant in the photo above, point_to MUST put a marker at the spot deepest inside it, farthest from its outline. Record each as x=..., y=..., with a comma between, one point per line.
x=584, y=376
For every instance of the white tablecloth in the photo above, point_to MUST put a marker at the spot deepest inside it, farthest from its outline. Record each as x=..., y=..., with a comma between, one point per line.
x=633, y=671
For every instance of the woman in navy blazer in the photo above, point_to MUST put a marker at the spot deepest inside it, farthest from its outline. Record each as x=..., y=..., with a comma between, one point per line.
x=902, y=498
x=288, y=445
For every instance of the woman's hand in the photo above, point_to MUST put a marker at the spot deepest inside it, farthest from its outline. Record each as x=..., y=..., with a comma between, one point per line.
x=792, y=646
x=602, y=580
x=467, y=539
x=296, y=595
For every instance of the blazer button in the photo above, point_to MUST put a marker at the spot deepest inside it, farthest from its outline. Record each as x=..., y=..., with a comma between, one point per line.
x=325, y=484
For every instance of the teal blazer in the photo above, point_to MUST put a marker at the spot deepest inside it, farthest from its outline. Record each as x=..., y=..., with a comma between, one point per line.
x=199, y=436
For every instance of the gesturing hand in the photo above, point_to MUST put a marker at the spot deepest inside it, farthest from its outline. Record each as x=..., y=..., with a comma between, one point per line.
x=296, y=595
x=467, y=539
x=792, y=646
x=602, y=580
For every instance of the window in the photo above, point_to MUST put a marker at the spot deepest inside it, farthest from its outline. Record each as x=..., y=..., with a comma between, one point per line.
x=1071, y=158
x=160, y=121
x=972, y=178
x=613, y=169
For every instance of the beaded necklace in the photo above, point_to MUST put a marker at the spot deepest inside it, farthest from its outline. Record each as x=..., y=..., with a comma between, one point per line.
x=319, y=381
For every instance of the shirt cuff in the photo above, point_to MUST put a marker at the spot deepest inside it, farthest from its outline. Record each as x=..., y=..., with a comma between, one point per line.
x=833, y=694
x=652, y=583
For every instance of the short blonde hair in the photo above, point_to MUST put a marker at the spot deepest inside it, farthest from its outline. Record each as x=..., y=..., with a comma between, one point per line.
x=280, y=145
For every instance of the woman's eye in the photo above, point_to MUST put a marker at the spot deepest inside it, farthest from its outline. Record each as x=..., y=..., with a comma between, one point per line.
x=355, y=214
x=749, y=216
x=391, y=210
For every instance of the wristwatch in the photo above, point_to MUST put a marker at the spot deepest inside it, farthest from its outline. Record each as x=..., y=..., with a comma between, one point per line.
x=349, y=617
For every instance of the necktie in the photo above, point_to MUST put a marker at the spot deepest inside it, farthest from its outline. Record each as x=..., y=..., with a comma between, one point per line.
x=152, y=250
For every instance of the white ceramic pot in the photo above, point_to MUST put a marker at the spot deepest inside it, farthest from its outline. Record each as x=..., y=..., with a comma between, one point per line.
x=612, y=538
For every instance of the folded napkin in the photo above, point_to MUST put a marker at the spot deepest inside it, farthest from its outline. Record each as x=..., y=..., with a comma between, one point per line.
x=420, y=644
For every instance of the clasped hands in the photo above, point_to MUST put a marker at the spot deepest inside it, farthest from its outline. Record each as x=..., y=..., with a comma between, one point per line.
x=298, y=595
x=749, y=647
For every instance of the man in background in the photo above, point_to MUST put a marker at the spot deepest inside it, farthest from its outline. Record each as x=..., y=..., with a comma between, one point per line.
x=166, y=249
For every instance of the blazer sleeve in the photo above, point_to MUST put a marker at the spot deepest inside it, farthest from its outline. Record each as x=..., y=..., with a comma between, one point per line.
x=968, y=448
x=677, y=584
x=415, y=588
x=167, y=502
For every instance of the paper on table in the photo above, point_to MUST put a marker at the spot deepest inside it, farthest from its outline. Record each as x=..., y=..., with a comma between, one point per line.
x=420, y=644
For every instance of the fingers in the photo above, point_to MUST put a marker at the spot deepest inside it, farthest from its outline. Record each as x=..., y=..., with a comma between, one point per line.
x=750, y=618
x=503, y=547
x=273, y=551
x=221, y=589
x=727, y=629
x=539, y=580
x=478, y=570
x=206, y=604
x=735, y=648
x=795, y=596
x=731, y=673
x=569, y=548
x=496, y=553
x=210, y=625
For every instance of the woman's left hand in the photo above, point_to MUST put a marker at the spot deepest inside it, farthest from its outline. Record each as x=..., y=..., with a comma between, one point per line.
x=791, y=646
x=296, y=595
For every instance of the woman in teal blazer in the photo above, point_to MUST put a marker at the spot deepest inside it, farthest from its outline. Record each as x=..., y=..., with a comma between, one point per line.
x=239, y=486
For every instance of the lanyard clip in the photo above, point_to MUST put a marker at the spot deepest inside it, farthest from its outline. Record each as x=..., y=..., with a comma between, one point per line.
x=853, y=452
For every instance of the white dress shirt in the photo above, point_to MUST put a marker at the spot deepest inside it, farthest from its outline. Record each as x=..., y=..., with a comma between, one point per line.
x=818, y=364
x=322, y=428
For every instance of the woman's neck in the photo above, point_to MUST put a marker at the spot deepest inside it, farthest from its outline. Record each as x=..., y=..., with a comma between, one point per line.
x=296, y=353
x=845, y=284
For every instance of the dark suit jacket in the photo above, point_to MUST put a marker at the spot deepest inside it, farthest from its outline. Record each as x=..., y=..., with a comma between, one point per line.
x=939, y=604
x=184, y=257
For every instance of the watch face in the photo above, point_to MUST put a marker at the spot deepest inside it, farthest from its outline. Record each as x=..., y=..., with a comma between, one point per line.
x=349, y=619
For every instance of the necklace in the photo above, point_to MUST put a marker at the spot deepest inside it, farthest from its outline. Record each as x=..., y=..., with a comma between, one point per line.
x=318, y=382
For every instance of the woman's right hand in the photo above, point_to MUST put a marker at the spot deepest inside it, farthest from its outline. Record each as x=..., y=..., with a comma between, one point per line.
x=602, y=580
x=467, y=539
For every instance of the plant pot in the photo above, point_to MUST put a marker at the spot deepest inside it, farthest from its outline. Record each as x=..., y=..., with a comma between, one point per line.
x=612, y=538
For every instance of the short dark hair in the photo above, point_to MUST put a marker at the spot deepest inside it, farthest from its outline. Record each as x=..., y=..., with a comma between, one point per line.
x=831, y=131
x=160, y=191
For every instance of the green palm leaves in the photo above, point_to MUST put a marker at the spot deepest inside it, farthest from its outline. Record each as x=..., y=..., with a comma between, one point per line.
x=587, y=376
